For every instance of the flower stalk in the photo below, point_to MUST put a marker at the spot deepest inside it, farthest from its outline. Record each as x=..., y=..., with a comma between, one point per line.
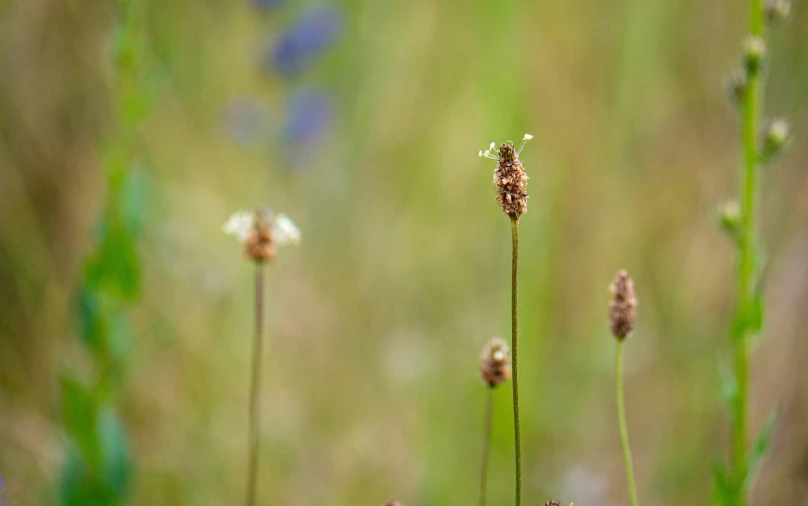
x=514, y=348
x=757, y=148
x=621, y=418
x=255, y=383
x=495, y=369
x=622, y=317
x=489, y=416
x=510, y=180
x=260, y=234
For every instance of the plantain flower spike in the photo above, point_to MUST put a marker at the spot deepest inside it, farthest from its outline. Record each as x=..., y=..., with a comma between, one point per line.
x=495, y=363
x=261, y=232
x=509, y=177
x=623, y=308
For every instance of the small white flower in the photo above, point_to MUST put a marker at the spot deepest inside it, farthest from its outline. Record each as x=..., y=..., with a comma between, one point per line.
x=239, y=225
x=481, y=153
x=284, y=231
x=527, y=137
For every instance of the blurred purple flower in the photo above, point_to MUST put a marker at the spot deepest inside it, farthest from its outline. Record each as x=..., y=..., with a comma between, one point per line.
x=296, y=49
x=309, y=116
x=246, y=121
x=267, y=4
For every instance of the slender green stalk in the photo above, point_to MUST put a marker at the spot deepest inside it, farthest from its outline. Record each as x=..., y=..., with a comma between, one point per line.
x=621, y=418
x=255, y=381
x=514, y=354
x=489, y=416
x=748, y=251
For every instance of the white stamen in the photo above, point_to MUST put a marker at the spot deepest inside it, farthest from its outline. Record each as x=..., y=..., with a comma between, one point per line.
x=239, y=225
x=284, y=231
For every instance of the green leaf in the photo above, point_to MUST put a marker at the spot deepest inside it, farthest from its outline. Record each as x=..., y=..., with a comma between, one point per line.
x=91, y=322
x=115, y=452
x=724, y=491
x=79, y=416
x=115, y=266
x=80, y=487
x=134, y=197
x=754, y=311
x=729, y=389
x=761, y=447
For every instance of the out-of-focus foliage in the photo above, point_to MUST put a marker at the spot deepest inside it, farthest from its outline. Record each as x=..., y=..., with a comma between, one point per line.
x=371, y=385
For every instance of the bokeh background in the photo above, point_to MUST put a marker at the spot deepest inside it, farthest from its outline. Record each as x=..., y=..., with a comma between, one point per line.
x=362, y=121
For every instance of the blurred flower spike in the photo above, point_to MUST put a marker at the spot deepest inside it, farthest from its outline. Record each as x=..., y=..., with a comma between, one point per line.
x=309, y=116
x=297, y=48
x=267, y=4
x=261, y=232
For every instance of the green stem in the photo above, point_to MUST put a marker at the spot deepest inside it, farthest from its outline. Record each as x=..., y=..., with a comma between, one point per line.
x=514, y=355
x=748, y=253
x=621, y=418
x=489, y=416
x=255, y=380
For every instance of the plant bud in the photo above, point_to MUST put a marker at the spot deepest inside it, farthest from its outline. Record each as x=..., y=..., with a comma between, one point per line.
x=754, y=51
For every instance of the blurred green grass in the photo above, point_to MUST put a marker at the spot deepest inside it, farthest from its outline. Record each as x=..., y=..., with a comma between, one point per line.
x=377, y=320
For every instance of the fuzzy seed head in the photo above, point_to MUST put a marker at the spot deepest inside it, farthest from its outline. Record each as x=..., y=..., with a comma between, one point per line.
x=623, y=308
x=511, y=181
x=495, y=363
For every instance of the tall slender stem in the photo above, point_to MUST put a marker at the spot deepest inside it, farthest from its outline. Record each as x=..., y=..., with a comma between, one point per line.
x=489, y=416
x=514, y=355
x=621, y=418
x=255, y=380
x=748, y=252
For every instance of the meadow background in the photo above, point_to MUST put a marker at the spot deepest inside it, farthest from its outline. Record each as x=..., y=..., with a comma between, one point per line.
x=376, y=321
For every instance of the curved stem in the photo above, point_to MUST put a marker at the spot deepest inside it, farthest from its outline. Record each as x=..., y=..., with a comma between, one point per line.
x=514, y=356
x=621, y=418
x=255, y=380
x=489, y=416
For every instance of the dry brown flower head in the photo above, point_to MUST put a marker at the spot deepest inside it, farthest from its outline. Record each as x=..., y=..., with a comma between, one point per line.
x=495, y=363
x=511, y=182
x=623, y=307
x=260, y=244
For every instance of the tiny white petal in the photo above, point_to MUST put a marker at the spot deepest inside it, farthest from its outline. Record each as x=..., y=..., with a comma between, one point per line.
x=239, y=225
x=492, y=147
x=284, y=231
x=487, y=153
x=527, y=137
x=480, y=154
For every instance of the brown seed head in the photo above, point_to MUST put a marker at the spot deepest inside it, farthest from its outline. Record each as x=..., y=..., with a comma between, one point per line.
x=552, y=503
x=260, y=245
x=511, y=180
x=623, y=308
x=495, y=363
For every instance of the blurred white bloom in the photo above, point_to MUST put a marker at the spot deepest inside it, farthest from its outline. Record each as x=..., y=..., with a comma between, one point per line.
x=242, y=223
x=492, y=147
x=527, y=137
x=284, y=231
x=239, y=225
